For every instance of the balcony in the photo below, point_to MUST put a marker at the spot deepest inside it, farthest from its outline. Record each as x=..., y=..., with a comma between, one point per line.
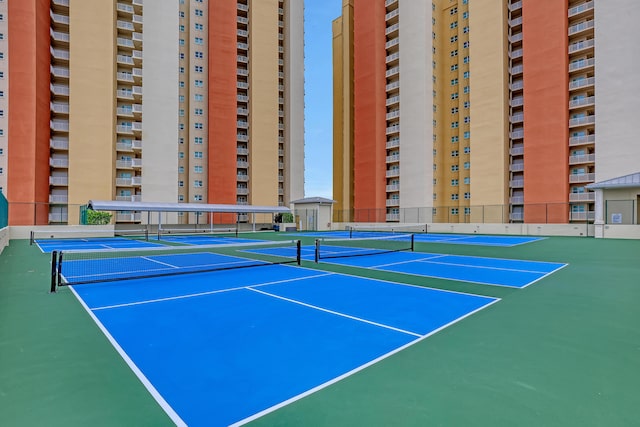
x=59, y=20
x=516, y=183
x=137, y=91
x=582, y=64
x=124, y=94
x=242, y=137
x=517, y=102
x=125, y=77
x=137, y=20
x=392, y=72
x=516, y=200
x=60, y=54
x=577, y=47
x=124, y=164
x=391, y=29
x=393, y=202
x=581, y=140
x=243, y=98
x=137, y=39
x=242, y=59
x=124, y=111
x=136, y=163
x=393, y=173
x=137, y=109
x=242, y=46
x=583, y=26
x=58, y=198
x=242, y=33
x=393, y=143
x=394, y=13
x=124, y=182
x=136, y=181
x=515, y=54
x=582, y=197
x=59, y=72
x=61, y=181
x=516, y=70
x=582, y=177
x=393, y=217
x=517, y=118
x=515, y=6
x=516, y=85
x=59, y=108
x=243, y=7
x=582, y=121
x=582, y=216
x=124, y=59
x=124, y=25
x=243, y=20
x=242, y=191
x=59, y=36
x=59, y=125
x=242, y=151
x=393, y=188
x=136, y=144
x=581, y=9
x=393, y=114
x=393, y=129
x=241, y=124
x=126, y=43
x=137, y=73
x=393, y=158
x=582, y=83
x=516, y=22
x=242, y=177
x=516, y=167
x=125, y=8
x=242, y=164
x=582, y=102
x=517, y=150
x=137, y=56
x=516, y=216
x=58, y=143
x=393, y=57
x=136, y=126
x=393, y=85
x=388, y=3
x=61, y=3
x=515, y=38
x=124, y=146
x=516, y=134
x=124, y=129
x=59, y=162
x=393, y=100
x=391, y=43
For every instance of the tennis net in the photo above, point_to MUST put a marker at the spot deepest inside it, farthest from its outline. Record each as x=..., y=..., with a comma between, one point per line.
x=86, y=235
x=197, y=232
x=357, y=231
x=74, y=267
x=344, y=248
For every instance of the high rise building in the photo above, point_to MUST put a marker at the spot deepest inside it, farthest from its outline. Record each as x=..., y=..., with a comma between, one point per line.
x=473, y=111
x=165, y=101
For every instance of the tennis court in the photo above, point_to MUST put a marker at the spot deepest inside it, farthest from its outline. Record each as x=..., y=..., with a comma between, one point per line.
x=472, y=269
x=226, y=347
x=458, y=239
x=92, y=243
x=205, y=239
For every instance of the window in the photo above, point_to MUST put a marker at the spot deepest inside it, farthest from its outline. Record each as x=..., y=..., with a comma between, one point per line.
x=452, y=39
x=454, y=67
x=467, y=180
x=466, y=74
x=466, y=89
x=454, y=95
x=199, y=40
x=197, y=154
x=197, y=183
x=198, y=12
x=453, y=25
x=197, y=197
x=454, y=168
x=181, y=27
x=181, y=42
x=454, y=211
x=454, y=139
x=467, y=211
x=197, y=169
x=467, y=150
x=467, y=119
x=467, y=135
x=453, y=11
x=181, y=70
x=1, y=113
x=180, y=183
x=181, y=98
x=199, y=83
x=454, y=53
x=180, y=199
x=1, y=94
x=467, y=196
x=198, y=111
x=181, y=84
x=1, y=151
x=466, y=60
x=181, y=155
x=198, y=97
x=1, y=74
x=465, y=30
x=467, y=165
x=199, y=27
x=181, y=126
x=454, y=110
x=181, y=55
x=454, y=196
x=465, y=45
x=1, y=36
x=181, y=14
x=455, y=153
x=199, y=55
x=465, y=15
x=197, y=140
x=181, y=113
x=198, y=125
x=454, y=125
x=181, y=140
x=467, y=104
x=180, y=169
x=198, y=68
x=454, y=82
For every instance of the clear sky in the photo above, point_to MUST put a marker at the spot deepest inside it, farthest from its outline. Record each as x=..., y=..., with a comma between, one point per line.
x=318, y=15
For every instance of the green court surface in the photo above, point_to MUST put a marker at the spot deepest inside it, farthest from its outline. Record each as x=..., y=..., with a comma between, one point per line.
x=564, y=351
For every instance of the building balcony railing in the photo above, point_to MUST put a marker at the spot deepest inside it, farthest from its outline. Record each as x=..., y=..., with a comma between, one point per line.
x=581, y=8
x=124, y=129
x=136, y=181
x=392, y=172
x=124, y=111
x=517, y=5
x=58, y=143
x=63, y=3
x=516, y=167
x=124, y=94
x=58, y=19
x=393, y=217
x=582, y=177
x=516, y=183
x=517, y=70
x=393, y=100
x=582, y=140
x=576, y=47
x=582, y=197
x=59, y=125
x=391, y=43
x=393, y=143
x=393, y=159
x=516, y=134
x=123, y=42
x=124, y=182
x=393, y=202
x=388, y=3
x=242, y=33
x=393, y=85
x=124, y=25
x=393, y=129
x=516, y=22
x=393, y=114
x=136, y=163
x=582, y=216
x=517, y=118
x=516, y=85
x=59, y=162
x=392, y=14
x=392, y=28
x=120, y=7
x=137, y=91
x=60, y=72
x=515, y=38
x=242, y=191
x=517, y=101
x=124, y=164
x=515, y=54
x=124, y=146
x=58, y=198
x=242, y=177
x=583, y=26
x=516, y=200
x=516, y=216
x=516, y=150
x=582, y=121
x=136, y=144
x=582, y=64
x=393, y=187
x=125, y=77
x=60, y=54
x=58, y=217
x=136, y=108
x=582, y=102
x=242, y=164
x=59, y=36
x=392, y=72
x=59, y=180
x=582, y=158
x=59, y=108
x=582, y=83
x=242, y=137
x=124, y=59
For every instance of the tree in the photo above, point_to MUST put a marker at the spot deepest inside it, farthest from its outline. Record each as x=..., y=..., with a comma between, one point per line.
x=98, y=218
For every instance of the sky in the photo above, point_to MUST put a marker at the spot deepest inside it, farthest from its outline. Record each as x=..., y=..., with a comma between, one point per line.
x=318, y=111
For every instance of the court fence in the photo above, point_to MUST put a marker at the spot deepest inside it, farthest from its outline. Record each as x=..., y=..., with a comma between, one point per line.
x=4, y=211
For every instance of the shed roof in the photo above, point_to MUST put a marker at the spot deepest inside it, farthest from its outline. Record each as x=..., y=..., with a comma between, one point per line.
x=631, y=180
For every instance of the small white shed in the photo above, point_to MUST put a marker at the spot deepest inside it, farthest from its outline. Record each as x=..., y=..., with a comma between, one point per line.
x=313, y=213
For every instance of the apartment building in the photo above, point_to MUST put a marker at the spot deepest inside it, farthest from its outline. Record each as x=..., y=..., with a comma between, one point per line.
x=165, y=101
x=497, y=124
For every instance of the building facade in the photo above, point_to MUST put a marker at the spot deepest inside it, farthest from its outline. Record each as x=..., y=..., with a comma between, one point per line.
x=166, y=101
x=474, y=111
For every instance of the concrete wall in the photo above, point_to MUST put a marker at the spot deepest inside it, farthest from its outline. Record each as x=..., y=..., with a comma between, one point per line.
x=4, y=238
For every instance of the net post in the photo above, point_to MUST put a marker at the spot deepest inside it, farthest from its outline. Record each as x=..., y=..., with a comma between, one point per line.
x=32, y=238
x=59, y=269
x=236, y=230
x=412, y=242
x=54, y=271
x=351, y=232
x=146, y=234
x=298, y=251
x=317, y=251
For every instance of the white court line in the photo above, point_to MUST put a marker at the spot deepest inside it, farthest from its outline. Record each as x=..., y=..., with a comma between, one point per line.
x=143, y=379
x=548, y=274
x=315, y=307
x=407, y=262
x=426, y=261
x=199, y=294
x=159, y=262
x=356, y=370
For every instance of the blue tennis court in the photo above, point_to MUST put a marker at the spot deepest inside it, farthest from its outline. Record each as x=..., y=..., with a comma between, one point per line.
x=205, y=240
x=458, y=239
x=486, y=271
x=92, y=243
x=222, y=348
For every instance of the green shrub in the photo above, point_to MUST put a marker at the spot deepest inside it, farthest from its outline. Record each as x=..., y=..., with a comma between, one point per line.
x=98, y=218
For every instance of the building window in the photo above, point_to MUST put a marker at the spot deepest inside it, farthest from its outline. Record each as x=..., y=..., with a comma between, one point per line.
x=197, y=169
x=454, y=95
x=198, y=111
x=181, y=55
x=465, y=15
x=181, y=42
x=467, y=165
x=467, y=180
x=181, y=155
x=180, y=183
x=197, y=140
x=181, y=113
x=454, y=67
x=181, y=28
x=454, y=125
x=181, y=140
x=454, y=196
x=454, y=211
x=467, y=196
x=199, y=55
x=180, y=169
x=198, y=83
x=197, y=197
x=466, y=89
x=466, y=59
x=197, y=183
x=465, y=30
x=198, y=68
x=198, y=125
x=452, y=39
x=467, y=150
x=180, y=199
x=453, y=11
x=454, y=53
x=199, y=27
x=454, y=82
x=467, y=104
x=454, y=110
x=198, y=97
x=197, y=154
x=455, y=139
x=181, y=126
x=467, y=119
x=198, y=12
x=466, y=74
x=465, y=45
x=455, y=153
x=181, y=70
x=467, y=135
x=454, y=168
x=199, y=40
x=181, y=14
x=181, y=84
x=453, y=25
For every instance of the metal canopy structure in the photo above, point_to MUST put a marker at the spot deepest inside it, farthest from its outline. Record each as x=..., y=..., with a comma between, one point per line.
x=115, y=205
x=149, y=207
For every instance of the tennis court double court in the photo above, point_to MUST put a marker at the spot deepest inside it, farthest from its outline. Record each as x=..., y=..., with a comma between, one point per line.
x=226, y=347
